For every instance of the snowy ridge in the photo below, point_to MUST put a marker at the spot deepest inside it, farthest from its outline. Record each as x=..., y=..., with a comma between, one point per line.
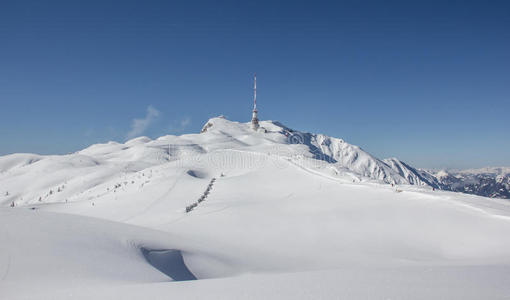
x=356, y=160
x=340, y=154
x=412, y=175
x=77, y=173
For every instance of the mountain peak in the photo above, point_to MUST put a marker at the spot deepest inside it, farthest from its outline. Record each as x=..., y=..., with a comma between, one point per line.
x=219, y=122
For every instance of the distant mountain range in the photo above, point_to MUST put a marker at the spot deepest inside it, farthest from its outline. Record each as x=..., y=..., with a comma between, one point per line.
x=488, y=182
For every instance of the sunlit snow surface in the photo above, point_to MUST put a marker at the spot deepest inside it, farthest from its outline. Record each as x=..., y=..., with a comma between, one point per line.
x=290, y=215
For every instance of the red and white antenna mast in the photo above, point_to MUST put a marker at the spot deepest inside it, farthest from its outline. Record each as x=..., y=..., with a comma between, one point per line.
x=255, y=94
x=254, y=118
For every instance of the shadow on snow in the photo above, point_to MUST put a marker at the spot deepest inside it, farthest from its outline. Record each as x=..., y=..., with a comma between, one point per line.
x=169, y=262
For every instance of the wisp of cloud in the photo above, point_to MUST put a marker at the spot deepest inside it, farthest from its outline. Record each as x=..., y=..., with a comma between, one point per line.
x=139, y=126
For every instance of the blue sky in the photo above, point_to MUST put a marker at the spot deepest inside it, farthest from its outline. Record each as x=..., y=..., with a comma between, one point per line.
x=425, y=81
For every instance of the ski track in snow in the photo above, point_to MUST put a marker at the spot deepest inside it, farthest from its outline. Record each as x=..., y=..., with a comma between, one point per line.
x=156, y=201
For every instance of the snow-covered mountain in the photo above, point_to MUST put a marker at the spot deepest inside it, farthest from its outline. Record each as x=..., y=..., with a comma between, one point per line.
x=270, y=214
x=487, y=182
x=74, y=174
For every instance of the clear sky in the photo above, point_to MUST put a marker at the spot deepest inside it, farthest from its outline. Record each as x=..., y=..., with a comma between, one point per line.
x=425, y=81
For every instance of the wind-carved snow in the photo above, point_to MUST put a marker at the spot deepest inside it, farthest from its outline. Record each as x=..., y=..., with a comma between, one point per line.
x=291, y=215
x=169, y=262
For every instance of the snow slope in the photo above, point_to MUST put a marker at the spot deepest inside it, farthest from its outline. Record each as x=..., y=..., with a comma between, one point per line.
x=73, y=175
x=412, y=175
x=290, y=215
